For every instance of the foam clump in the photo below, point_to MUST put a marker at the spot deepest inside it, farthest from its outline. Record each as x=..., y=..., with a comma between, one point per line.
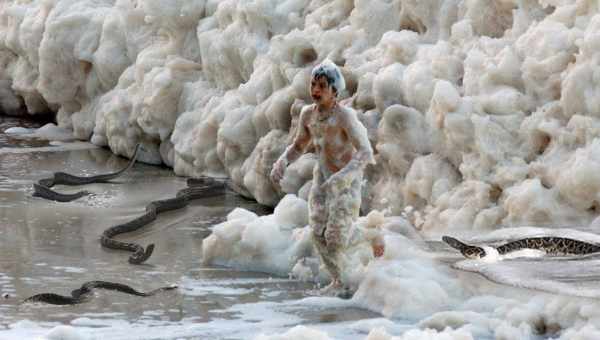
x=53, y=133
x=18, y=131
x=50, y=132
x=282, y=243
x=417, y=334
x=64, y=333
x=586, y=332
x=303, y=270
x=297, y=333
x=518, y=315
x=406, y=282
x=272, y=243
x=375, y=219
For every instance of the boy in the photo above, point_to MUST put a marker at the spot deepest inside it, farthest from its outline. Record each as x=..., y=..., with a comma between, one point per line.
x=343, y=150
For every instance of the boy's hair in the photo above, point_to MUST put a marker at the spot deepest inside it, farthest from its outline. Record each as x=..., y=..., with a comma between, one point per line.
x=332, y=74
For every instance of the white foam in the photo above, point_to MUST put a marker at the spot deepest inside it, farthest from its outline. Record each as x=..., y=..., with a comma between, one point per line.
x=201, y=289
x=18, y=131
x=418, y=334
x=557, y=275
x=70, y=269
x=73, y=146
x=269, y=243
x=64, y=333
x=296, y=333
x=49, y=132
x=524, y=253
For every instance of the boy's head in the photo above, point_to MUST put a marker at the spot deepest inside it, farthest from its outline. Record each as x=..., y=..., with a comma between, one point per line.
x=326, y=81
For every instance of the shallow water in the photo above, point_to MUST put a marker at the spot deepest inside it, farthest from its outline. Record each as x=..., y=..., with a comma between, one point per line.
x=54, y=247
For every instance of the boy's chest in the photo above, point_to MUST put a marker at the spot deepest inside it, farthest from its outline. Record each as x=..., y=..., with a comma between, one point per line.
x=325, y=131
x=320, y=128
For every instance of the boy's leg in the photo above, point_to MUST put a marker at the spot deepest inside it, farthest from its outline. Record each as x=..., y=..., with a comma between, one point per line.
x=318, y=213
x=317, y=210
x=343, y=200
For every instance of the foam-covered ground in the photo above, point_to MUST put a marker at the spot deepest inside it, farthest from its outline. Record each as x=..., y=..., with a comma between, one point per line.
x=416, y=283
x=483, y=115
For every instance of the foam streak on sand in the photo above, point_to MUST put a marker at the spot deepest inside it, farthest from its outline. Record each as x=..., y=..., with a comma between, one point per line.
x=58, y=147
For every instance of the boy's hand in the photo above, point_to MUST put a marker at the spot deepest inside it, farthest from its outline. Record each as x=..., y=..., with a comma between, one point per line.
x=277, y=171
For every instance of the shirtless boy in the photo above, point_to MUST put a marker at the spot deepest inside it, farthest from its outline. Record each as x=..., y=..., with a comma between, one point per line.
x=343, y=150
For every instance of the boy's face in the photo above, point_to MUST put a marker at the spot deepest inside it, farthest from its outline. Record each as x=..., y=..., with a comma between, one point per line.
x=320, y=91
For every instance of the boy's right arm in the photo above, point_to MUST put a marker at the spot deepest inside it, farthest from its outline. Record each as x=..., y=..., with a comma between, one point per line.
x=292, y=152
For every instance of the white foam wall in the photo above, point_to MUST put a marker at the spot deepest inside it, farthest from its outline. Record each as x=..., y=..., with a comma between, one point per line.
x=207, y=86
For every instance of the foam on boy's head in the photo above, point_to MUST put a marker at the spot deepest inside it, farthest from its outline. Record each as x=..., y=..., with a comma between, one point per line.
x=332, y=73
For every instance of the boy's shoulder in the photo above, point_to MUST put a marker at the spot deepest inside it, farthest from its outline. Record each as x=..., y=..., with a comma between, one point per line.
x=346, y=112
x=346, y=109
x=307, y=111
x=308, y=108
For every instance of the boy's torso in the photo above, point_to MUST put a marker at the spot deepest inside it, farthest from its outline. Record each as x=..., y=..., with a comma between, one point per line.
x=329, y=138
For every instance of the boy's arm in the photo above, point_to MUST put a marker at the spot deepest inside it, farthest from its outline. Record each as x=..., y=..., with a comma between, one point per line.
x=294, y=150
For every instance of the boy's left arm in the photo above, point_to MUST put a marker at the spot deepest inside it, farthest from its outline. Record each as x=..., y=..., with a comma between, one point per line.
x=359, y=137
